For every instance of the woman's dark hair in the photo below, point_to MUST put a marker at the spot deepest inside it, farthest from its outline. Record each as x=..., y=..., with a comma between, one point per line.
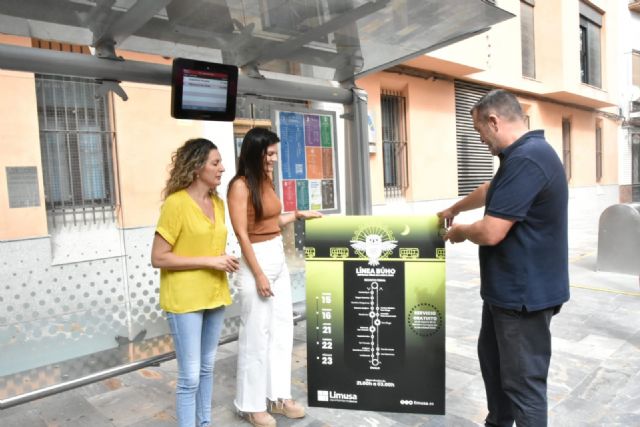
x=251, y=163
x=185, y=164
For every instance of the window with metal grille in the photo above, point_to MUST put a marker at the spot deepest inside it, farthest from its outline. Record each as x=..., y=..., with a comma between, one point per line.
x=475, y=162
x=527, y=38
x=590, y=25
x=566, y=146
x=394, y=144
x=598, y=152
x=76, y=146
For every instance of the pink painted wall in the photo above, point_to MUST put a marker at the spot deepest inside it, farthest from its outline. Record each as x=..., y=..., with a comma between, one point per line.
x=432, y=144
x=430, y=134
x=19, y=146
x=146, y=135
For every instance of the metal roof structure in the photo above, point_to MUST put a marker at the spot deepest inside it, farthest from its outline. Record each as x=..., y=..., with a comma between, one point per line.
x=335, y=40
x=289, y=49
x=292, y=49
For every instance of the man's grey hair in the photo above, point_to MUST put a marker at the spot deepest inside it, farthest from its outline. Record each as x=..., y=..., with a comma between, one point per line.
x=500, y=102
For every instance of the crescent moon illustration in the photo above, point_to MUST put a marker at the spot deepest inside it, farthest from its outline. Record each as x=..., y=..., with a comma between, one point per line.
x=406, y=230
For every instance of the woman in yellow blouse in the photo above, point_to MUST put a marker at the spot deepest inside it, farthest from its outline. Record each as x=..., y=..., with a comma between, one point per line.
x=189, y=247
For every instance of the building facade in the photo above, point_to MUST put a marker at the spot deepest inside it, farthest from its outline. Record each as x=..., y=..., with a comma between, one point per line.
x=629, y=100
x=559, y=58
x=81, y=171
x=81, y=177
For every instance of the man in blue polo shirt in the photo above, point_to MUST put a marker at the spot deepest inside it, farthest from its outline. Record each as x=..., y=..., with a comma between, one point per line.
x=523, y=252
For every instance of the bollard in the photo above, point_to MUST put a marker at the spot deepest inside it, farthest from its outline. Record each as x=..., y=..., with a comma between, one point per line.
x=619, y=239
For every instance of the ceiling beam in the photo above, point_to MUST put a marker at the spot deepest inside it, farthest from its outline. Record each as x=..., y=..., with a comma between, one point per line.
x=19, y=58
x=127, y=23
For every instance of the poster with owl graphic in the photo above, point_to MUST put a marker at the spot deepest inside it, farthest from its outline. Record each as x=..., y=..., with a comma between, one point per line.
x=375, y=313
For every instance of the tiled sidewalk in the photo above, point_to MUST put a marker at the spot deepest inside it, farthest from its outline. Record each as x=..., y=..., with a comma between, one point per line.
x=594, y=380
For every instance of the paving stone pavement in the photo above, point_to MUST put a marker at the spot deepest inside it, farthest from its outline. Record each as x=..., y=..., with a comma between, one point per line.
x=594, y=377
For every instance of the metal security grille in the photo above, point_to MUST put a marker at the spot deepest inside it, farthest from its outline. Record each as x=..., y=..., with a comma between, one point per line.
x=76, y=145
x=475, y=163
x=394, y=144
x=566, y=146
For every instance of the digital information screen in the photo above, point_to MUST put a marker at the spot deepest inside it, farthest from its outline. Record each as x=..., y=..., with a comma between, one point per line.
x=204, y=90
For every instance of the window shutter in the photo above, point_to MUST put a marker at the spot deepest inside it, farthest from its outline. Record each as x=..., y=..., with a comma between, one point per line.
x=475, y=162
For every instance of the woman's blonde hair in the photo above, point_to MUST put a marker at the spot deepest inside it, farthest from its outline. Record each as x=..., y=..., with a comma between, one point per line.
x=185, y=164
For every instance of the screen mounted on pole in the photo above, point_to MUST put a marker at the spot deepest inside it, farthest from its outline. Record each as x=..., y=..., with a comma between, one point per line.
x=203, y=90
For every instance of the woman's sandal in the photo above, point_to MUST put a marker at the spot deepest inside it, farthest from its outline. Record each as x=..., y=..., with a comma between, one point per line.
x=287, y=407
x=266, y=419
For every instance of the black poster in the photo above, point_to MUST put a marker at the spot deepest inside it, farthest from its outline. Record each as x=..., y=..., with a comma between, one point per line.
x=375, y=313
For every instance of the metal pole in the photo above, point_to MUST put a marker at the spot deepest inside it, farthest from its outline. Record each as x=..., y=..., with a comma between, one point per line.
x=45, y=61
x=358, y=178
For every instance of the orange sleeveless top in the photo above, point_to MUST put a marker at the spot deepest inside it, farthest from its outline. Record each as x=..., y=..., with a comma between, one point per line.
x=266, y=228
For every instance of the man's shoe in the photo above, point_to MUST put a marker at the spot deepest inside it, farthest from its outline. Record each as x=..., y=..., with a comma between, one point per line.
x=287, y=407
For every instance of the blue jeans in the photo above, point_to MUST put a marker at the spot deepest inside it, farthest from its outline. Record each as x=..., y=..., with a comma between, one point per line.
x=195, y=338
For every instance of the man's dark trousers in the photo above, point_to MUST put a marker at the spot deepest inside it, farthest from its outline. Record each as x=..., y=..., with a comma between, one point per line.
x=514, y=349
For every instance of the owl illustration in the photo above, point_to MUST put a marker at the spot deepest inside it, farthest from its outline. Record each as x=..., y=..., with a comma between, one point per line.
x=373, y=246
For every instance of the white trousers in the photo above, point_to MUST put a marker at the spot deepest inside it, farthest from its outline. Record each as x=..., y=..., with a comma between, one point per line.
x=266, y=331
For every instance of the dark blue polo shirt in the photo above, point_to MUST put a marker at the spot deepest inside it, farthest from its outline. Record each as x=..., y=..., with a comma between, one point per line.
x=529, y=268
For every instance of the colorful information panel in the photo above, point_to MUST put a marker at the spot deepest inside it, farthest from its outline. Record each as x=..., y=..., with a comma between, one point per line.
x=307, y=160
x=375, y=313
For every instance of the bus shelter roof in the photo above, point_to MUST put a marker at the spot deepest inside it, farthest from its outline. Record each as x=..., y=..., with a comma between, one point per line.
x=336, y=40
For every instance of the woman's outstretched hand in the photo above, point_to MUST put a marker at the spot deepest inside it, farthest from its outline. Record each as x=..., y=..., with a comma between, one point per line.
x=308, y=215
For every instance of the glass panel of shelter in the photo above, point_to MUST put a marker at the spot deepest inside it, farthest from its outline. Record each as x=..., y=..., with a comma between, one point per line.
x=77, y=305
x=257, y=112
x=82, y=299
x=70, y=314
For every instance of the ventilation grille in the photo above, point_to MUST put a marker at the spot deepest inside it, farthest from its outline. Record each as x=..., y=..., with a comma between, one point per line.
x=22, y=185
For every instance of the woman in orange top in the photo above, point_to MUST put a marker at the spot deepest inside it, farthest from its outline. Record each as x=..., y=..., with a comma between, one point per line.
x=266, y=330
x=189, y=247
